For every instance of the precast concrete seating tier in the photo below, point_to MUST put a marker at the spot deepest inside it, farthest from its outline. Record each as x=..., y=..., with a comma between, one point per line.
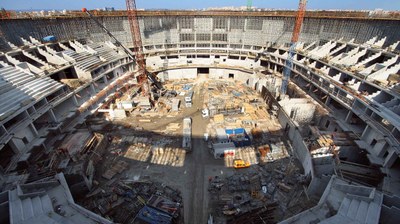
x=348, y=204
x=20, y=88
x=89, y=63
x=104, y=52
x=84, y=61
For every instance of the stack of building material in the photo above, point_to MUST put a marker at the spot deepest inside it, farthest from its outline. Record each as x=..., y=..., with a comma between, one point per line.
x=168, y=156
x=247, y=154
x=219, y=119
x=139, y=152
x=278, y=151
x=119, y=167
x=248, y=108
x=172, y=127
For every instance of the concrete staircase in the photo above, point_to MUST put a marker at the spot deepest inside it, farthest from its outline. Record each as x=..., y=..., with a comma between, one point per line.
x=322, y=51
x=19, y=88
x=25, y=209
x=32, y=56
x=52, y=58
x=353, y=59
x=354, y=210
x=338, y=49
x=368, y=59
x=25, y=42
x=343, y=56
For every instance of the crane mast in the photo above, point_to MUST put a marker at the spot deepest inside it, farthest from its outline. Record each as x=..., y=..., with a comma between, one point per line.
x=137, y=45
x=295, y=37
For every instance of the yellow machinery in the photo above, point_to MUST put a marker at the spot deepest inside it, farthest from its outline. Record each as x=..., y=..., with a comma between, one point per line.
x=239, y=163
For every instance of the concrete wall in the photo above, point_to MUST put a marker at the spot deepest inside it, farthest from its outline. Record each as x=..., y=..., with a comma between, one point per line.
x=26, y=133
x=174, y=74
x=293, y=133
x=64, y=109
x=257, y=31
x=216, y=73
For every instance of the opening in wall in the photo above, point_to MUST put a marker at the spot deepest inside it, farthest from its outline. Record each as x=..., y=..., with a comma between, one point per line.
x=231, y=75
x=373, y=142
x=203, y=70
x=327, y=124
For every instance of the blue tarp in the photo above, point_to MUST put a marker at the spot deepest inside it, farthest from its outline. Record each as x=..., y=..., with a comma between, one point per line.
x=153, y=216
x=187, y=86
x=49, y=39
x=237, y=131
x=239, y=142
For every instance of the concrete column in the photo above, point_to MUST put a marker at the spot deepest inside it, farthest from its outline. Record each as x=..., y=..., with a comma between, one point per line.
x=390, y=159
x=381, y=148
x=92, y=88
x=34, y=130
x=14, y=147
x=348, y=117
x=75, y=100
x=105, y=79
x=328, y=100
x=365, y=131
x=53, y=116
x=4, y=129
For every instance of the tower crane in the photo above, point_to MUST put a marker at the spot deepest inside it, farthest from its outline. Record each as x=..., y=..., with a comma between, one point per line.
x=293, y=43
x=144, y=75
x=138, y=54
x=137, y=45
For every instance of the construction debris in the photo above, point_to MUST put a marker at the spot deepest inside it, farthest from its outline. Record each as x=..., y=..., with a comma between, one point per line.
x=273, y=187
x=127, y=201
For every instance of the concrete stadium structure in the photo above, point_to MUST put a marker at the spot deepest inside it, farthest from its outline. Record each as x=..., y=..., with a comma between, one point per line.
x=347, y=62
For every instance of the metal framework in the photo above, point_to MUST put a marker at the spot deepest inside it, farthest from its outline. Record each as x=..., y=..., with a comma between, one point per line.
x=137, y=45
x=295, y=37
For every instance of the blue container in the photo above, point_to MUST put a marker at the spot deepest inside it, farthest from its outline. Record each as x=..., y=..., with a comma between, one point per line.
x=49, y=39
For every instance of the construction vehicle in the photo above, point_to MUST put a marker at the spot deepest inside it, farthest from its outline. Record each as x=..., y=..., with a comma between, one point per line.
x=187, y=134
x=239, y=163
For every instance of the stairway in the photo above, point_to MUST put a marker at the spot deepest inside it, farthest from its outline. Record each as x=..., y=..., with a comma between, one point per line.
x=30, y=207
x=368, y=59
x=38, y=60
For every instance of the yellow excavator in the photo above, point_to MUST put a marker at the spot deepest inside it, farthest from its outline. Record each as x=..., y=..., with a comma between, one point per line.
x=240, y=163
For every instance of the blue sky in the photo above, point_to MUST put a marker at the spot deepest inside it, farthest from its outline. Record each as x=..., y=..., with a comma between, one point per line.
x=198, y=4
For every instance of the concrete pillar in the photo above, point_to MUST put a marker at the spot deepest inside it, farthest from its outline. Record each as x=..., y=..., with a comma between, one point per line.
x=381, y=148
x=92, y=88
x=14, y=147
x=4, y=129
x=366, y=130
x=328, y=100
x=105, y=79
x=34, y=130
x=75, y=100
x=53, y=116
x=348, y=117
x=390, y=159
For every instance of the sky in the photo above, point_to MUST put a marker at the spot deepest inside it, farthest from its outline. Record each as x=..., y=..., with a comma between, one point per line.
x=198, y=4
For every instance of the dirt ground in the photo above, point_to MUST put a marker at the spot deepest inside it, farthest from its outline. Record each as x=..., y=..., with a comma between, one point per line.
x=192, y=178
